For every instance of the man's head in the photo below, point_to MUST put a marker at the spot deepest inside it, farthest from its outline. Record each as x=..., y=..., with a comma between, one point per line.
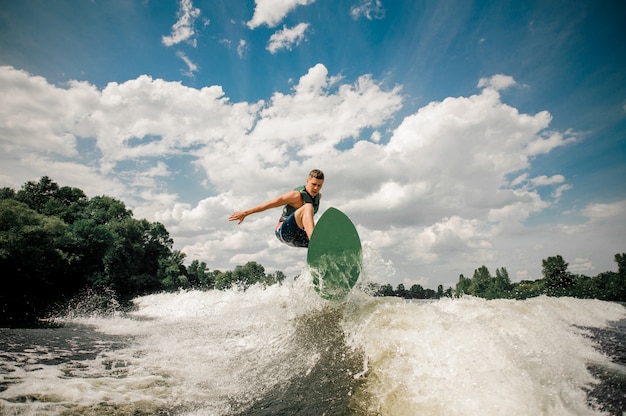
x=314, y=182
x=317, y=174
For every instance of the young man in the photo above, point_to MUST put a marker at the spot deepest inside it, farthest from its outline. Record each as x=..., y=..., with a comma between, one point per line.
x=296, y=223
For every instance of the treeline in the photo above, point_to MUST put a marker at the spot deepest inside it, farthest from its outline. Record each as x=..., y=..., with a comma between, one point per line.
x=414, y=292
x=56, y=242
x=556, y=281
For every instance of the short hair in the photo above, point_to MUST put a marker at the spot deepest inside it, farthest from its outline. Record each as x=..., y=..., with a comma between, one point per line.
x=317, y=174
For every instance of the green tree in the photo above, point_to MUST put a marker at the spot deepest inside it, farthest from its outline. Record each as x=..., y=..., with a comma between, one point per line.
x=224, y=280
x=37, y=194
x=481, y=282
x=249, y=274
x=386, y=290
x=440, y=292
x=132, y=263
x=274, y=278
x=620, y=259
x=430, y=294
x=7, y=193
x=463, y=286
x=556, y=276
x=401, y=292
x=172, y=273
x=501, y=285
x=67, y=203
x=198, y=275
x=528, y=289
x=243, y=276
x=104, y=210
x=416, y=292
x=86, y=246
x=32, y=263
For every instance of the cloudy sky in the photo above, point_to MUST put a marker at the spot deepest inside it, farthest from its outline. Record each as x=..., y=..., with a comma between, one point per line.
x=454, y=133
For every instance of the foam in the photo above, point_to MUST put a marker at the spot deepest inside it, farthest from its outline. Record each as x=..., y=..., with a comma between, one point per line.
x=218, y=352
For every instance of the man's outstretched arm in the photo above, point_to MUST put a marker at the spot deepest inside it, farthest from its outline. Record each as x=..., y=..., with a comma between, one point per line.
x=290, y=198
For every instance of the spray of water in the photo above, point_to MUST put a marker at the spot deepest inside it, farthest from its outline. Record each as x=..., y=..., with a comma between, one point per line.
x=284, y=350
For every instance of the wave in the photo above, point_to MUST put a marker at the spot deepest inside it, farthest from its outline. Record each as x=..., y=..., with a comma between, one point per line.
x=283, y=350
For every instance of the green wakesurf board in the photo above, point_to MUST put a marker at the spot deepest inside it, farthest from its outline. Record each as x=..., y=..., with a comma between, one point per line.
x=334, y=255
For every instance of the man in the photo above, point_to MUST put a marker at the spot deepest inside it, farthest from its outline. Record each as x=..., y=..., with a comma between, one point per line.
x=296, y=223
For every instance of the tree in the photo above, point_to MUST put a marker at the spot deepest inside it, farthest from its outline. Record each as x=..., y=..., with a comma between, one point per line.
x=386, y=290
x=620, y=259
x=86, y=247
x=37, y=194
x=440, y=293
x=198, y=276
x=66, y=203
x=501, y=284
x=172, y=273
x=132, y=263
x=224, y=280
x=31, y=259
x=416, y=292
x=243, y=276
x=249, y=274
x=555, y=273
x=7, y=193
x=104, y=209
x=274, y=278
x=481, y=281
x=463, y=286
x=401, y=292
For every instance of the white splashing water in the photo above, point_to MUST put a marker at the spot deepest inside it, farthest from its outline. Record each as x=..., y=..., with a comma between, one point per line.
x=224, y=352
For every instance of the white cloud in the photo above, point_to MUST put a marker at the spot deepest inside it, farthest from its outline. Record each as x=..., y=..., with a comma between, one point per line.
x=192, y=68
x=611, y=212
x=545, y=143
x=287, y=38
x=497, y=82
x=370, y=9
x=448, y=191
x=558, y=192
x=183, y=29
x=545, y=180
x=271, y=12
x=241, y=48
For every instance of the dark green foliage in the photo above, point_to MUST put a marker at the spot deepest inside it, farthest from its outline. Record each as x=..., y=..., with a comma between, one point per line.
x=29, y=258
x=414, y=292
x=556, y=281
x=55, y=243
x=556, y=276
x=245, y=276
x=199, y=275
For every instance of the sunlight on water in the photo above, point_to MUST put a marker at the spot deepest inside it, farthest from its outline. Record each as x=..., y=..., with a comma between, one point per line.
x=472, y=356
x=283, y=350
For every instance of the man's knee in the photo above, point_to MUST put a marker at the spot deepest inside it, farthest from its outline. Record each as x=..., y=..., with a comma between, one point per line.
x=307, y=208
x=303, y=214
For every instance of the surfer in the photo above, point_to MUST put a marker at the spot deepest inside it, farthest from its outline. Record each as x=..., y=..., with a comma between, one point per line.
x=296, y=223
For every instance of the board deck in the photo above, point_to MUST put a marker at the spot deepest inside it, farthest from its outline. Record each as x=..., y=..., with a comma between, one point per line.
x=334, y=255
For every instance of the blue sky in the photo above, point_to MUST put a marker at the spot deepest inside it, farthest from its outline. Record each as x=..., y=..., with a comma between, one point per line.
x=454, y=133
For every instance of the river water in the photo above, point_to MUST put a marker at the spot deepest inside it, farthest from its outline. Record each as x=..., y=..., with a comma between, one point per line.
x=282, y=350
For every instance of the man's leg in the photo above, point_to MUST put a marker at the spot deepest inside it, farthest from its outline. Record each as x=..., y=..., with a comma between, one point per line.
x=304, y=218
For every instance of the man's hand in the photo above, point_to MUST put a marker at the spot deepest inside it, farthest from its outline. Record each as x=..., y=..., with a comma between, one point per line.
x=237, y=216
